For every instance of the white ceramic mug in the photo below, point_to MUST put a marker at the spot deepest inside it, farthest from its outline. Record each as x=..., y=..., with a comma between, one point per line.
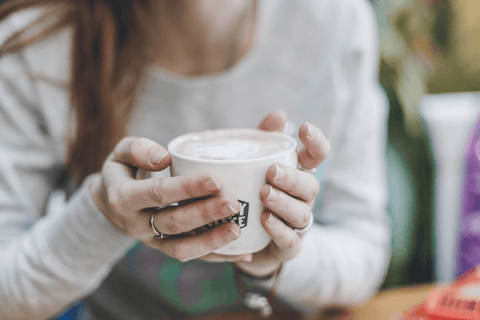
x=242, y=175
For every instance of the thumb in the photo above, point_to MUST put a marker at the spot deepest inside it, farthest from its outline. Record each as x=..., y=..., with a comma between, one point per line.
x=141, y=153
x=274, y=121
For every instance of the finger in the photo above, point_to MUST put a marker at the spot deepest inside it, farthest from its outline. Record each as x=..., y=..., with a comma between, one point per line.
x=296, y=213
x=192, y=247
x=284, y=246
x=287, y=242
x=180, y=219
x=316, y=146
x=215, y=257
x=274, y=121
x=156, y=192
x=296, y=183
x=141, y=153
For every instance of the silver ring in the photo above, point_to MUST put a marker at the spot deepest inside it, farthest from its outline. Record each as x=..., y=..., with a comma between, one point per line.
x=158, y=234
x=300, y=167
x=303, y=230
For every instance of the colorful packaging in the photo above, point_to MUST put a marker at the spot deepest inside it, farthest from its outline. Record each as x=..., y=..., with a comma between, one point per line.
x=461, y=301
x=468, y=255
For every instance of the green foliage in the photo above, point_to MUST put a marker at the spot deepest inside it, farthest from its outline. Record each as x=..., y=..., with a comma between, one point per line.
x=412, y=252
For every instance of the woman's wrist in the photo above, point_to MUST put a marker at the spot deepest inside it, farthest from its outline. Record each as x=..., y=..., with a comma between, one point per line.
x=263, y=272
x=258, y=292
x=250, y=276
x=98, y=197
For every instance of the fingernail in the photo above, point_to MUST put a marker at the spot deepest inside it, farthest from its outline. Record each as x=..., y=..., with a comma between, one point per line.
x=157, y=156
x=271, y=219
x=227, y=208
x=309, y=130
x=211, y=185
x=273, y=194
x=281, y=173
x=231, y=235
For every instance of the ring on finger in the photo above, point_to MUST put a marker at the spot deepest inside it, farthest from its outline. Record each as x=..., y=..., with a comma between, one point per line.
x=301, y=168
x=304, y=230
x=158, y=234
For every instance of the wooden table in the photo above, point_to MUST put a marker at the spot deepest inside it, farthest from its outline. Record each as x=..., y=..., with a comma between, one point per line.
x=389, y=304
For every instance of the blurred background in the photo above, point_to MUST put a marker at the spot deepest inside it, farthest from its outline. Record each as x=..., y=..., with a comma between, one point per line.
x=430, y=67
x=430, y=71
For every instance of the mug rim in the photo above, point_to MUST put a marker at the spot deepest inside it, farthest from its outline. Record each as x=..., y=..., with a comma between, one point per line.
x=185, y=136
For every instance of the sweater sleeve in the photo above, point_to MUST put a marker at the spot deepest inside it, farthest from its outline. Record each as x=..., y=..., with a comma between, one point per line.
x=345, y=256
x=46, y=261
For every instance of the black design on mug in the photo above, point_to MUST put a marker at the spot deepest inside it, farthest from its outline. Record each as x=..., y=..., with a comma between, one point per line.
x=241, y=218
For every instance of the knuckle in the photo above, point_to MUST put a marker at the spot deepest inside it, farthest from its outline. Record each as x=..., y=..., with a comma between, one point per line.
x=156, y=194
x=191, y=189
x=205, y=215
x=304, y=221
x=171, y=224
x=294, y=250
x=188, y=189
x=291, y=243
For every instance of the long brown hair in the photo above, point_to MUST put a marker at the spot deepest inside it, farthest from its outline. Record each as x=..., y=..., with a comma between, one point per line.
x=112, y=41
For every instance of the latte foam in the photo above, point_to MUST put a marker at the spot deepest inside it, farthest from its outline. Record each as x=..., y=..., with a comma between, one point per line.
x=232, y=144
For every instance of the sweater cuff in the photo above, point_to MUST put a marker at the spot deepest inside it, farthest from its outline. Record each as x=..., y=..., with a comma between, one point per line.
x=82, y=238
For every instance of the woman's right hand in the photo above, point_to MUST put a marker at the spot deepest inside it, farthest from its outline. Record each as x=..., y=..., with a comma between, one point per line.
x=129, y=203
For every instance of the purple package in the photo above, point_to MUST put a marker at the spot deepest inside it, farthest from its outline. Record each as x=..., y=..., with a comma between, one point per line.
x=468, y=255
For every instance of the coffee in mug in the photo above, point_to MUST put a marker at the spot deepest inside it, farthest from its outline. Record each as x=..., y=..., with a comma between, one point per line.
x=240, y=158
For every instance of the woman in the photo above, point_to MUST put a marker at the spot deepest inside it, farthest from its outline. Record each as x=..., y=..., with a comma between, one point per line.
x=85, y=74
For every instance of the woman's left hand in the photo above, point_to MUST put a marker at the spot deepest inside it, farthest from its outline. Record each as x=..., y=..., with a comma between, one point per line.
x=289, y=196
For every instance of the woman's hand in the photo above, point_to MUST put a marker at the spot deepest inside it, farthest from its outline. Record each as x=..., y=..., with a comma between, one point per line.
x=129, y=203
x=288, y=196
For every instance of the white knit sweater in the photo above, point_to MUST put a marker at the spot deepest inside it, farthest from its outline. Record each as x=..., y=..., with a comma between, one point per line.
x=315, y=59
